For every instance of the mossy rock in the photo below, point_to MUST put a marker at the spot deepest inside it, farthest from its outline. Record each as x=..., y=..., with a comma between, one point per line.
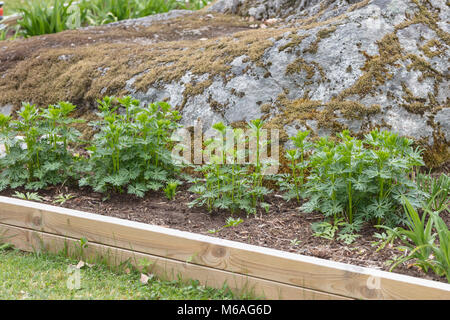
x=322, y=65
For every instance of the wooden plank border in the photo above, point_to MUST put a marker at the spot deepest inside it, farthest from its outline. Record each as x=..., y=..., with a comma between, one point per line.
x=30, y=240
x=295, y=270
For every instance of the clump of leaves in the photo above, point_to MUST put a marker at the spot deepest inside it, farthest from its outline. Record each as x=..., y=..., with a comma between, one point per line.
x=171, y=189
x=437, y=190
x=32, y=196
x=363, y=180
x=131, y=150
x=228, y=183
x=145, y=265
x=429, y=249
x=346, y=232
x=37, y=147
x=63, y=198
x=384, y=239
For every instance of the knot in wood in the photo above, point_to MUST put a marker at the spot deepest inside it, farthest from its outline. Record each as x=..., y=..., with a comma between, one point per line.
x=219, y=252
x=37, y=221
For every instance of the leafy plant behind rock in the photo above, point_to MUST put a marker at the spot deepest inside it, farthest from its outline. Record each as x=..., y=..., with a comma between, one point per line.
x=98, y=12
x=43, y=17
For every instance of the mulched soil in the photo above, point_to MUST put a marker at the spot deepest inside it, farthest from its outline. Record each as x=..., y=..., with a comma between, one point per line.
x=284, y=227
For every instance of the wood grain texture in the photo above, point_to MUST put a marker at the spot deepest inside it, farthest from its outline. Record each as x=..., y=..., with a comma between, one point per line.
x=274, y=265
x=28, y=240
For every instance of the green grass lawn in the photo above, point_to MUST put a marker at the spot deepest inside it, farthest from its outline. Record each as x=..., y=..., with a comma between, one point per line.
x=44, y=276
x=10, y=6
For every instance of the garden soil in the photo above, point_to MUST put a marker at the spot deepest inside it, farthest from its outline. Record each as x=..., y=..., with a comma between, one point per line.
x=284, y=227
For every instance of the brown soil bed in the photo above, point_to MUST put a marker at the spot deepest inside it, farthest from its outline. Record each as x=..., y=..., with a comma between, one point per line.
x=284, y=227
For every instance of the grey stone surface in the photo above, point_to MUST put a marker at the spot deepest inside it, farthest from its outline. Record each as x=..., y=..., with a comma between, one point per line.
x=443, y=118
x=411, y=93
x=147, y=21
x=6, y=109
x=226, y=6
x=265, y=9
x=361, y=31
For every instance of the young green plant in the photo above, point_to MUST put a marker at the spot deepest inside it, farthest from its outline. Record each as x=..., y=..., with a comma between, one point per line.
x=132, y=148
x=38, y=147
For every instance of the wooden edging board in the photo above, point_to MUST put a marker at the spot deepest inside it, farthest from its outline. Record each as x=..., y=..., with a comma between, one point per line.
x=10, y=20
x=272, y=273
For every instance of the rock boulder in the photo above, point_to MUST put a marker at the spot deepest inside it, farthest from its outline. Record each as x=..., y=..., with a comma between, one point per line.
x=307, y=64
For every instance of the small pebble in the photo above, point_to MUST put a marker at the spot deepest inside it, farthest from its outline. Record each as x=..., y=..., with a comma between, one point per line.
x=271, y=21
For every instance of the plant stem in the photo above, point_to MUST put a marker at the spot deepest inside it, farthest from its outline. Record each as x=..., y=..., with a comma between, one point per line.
x=295, y=179
x=302, y=171
x=232, y=182
x=380, y=197
x=350, y=209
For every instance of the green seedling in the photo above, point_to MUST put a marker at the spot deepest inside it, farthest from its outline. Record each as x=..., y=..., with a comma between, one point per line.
x=145, y=264
x=385, y=239
x=82, y=245
x=170, y=189
x=32, y=196
x=231, y=222
x=346, y=232
x=63, y=198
